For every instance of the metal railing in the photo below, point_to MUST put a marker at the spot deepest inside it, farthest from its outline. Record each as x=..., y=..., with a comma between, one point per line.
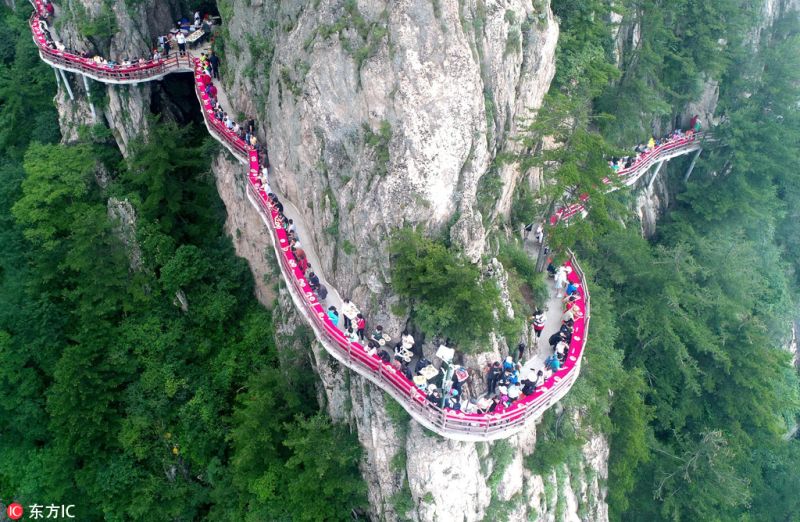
x=632, y=174
x=449, y=423
x=446, y=422
x=663, y=152
x=149, y=71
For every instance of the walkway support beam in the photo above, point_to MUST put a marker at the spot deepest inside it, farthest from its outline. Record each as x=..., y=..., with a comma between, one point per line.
x=655, y=174
x=691, y=165
x=66, y=83
x=89, y=96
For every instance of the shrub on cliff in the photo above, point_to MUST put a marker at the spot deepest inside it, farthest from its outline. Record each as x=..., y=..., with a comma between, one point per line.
x=445, y=293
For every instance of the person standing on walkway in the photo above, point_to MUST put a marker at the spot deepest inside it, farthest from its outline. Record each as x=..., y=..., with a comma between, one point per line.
x=539, y=233
x=213, y=59
x=361, y=326
x=493, y=374
x=181, y=39
x=537, y=320
x=561, y=279
x=350, y=312
x=521, y=350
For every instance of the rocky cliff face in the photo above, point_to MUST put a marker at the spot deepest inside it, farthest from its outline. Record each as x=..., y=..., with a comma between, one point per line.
x=118, y=29
x=378, y=115
x=381, y=115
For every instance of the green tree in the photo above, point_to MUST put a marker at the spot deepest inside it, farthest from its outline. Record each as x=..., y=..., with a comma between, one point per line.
x=447, y=295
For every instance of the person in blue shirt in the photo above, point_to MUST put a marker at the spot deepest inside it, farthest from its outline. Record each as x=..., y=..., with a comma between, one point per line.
x=333, y=315
x=553, y=363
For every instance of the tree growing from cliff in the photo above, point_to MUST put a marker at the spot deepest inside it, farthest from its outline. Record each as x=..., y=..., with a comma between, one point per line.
x=446, y=294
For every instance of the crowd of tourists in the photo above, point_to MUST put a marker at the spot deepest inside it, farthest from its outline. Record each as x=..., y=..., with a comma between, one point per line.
x=182, y=33
x=509, y=380
x=506, y=382
x=640, y=151
x=244, y=131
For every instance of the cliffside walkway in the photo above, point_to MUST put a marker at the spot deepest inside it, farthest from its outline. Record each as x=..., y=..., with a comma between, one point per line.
x=501, y=423
x=653, y=159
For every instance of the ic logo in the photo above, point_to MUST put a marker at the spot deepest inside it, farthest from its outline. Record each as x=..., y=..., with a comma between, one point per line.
x=14, y=511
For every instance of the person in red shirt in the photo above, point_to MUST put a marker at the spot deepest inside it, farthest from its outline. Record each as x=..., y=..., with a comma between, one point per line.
x=302, y=261
x=361, y=326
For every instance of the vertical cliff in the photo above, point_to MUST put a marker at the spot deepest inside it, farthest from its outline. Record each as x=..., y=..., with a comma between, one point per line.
x=381, y=115
x=118, y=29
x=377, y=114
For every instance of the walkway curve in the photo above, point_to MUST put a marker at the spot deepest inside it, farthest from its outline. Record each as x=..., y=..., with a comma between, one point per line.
x=452, y=424
x=627, y=177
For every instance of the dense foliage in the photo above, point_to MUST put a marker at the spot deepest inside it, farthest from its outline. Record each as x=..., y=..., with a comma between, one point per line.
x=139, y=379
x=444, y=290
x=699, y=420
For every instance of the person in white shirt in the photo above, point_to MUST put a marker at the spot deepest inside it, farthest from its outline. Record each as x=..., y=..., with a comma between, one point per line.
x=351, y=335
x=561, y=350
x=350, y=311
x=561, y=279
x=264, y=178
x=181, y=40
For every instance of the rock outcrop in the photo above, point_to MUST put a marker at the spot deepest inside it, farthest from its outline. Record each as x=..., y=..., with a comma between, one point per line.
x=381, y=115
x=118, y=29
x=385, y=114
